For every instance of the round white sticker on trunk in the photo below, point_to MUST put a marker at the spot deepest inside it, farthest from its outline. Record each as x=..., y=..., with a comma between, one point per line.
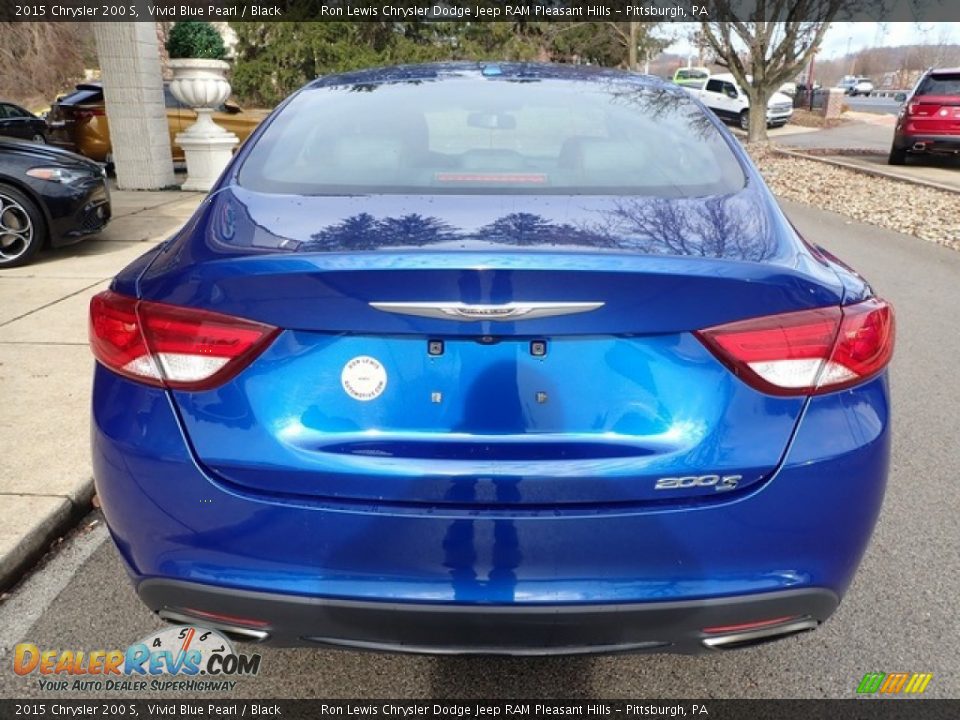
x=364, y=378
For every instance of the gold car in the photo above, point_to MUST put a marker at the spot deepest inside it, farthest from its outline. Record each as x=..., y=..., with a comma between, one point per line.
x=78, y=122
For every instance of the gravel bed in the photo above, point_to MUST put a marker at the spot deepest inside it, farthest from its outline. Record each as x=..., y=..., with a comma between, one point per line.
x=926, y=213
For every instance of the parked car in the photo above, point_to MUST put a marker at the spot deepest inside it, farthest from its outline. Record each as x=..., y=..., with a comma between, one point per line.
x=854, y=85
x=491, y=358
x=691, y=76
x=929, y=119
x=788, y=88
x=47, y=195
x=16, y=122
x=722, y=95
x=78, y=122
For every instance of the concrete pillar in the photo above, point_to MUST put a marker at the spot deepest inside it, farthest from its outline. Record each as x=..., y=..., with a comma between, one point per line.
x=833, y=103
x=133, y=89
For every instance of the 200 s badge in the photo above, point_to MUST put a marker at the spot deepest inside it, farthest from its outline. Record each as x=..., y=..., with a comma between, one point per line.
x=717, y=482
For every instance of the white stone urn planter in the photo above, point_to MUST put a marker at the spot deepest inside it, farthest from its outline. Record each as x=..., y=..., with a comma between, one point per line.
x=202, y=85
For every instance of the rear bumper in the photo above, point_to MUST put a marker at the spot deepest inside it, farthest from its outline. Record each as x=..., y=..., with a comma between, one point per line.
x=556, y=580
x=498, y=629
x=779, y=118
x=932, y=143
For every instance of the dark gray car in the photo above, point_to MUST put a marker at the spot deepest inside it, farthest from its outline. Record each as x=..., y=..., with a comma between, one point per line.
x=23, y=124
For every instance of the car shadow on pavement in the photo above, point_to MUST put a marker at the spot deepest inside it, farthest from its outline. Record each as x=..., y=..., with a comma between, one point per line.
x=493, y=677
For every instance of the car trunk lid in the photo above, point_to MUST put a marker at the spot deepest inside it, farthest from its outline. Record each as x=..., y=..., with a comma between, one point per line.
x=408, y=376
x=935, y=108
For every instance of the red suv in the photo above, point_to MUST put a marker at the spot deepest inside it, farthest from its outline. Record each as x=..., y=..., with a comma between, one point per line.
x=929, y=121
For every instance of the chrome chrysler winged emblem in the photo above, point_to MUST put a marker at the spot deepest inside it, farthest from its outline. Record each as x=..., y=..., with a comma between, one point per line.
x=507, y=312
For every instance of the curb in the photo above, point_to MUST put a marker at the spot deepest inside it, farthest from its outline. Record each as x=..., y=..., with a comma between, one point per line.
x=865, y=171
x=16, y=562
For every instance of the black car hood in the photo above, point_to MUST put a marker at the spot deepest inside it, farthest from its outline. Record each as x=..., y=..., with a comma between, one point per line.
x=44, y=153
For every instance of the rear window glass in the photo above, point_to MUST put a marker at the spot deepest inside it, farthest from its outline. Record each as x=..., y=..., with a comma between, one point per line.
x=472, y=136
x=82, y=96
x=940, y=85
x=12, y=111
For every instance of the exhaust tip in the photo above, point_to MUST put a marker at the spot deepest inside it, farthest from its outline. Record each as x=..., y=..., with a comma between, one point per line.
x=919, y=147
x=758, y=636
x=232, y=632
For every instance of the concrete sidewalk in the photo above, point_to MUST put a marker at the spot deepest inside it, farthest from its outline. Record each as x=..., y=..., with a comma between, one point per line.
x=45, y=371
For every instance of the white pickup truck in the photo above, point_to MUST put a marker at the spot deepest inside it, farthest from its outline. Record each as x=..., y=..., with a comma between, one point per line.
x=721, y=94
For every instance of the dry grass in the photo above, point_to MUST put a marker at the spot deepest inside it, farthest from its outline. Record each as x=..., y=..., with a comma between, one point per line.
x=806, y=118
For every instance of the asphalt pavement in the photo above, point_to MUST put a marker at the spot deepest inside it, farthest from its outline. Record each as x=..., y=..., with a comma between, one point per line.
x=878, y=105
x=855, y=135
x=899, y=615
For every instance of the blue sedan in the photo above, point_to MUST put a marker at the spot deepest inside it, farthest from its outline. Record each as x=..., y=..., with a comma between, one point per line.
x=491, y=358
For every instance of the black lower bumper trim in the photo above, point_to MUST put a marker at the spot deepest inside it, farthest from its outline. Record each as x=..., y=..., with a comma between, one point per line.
x=932, y=143
x=291, y=620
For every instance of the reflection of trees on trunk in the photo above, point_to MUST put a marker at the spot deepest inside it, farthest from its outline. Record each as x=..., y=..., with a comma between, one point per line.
x=528, y=229
x=365, y=232
x=425, y=230
x=359, y=231
x=723, y=227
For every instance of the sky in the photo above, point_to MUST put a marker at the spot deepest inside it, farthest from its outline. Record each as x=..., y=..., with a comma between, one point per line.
x=860, y=35
x=854, y=36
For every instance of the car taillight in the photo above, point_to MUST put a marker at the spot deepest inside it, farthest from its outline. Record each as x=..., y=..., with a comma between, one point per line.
x=807, y=352
x=170, y=346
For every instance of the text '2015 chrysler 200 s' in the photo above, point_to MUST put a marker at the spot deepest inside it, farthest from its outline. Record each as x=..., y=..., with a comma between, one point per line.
x=491, y=359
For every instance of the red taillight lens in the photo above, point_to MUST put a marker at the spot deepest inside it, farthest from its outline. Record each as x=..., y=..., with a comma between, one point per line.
x=923, y=109
x=807, y=352
x=170, y=346
x=865, y=343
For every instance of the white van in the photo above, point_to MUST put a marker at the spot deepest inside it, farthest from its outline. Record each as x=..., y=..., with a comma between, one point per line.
x=854, y=85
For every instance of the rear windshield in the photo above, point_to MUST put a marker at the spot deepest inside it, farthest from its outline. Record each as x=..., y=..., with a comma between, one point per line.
x=940, y=85
x=82, y=96
x=473, y=136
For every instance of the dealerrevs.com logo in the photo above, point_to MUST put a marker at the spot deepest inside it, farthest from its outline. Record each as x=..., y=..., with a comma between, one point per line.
x=175, y=659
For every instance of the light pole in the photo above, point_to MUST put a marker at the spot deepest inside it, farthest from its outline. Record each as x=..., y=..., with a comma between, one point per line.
x=813, y=58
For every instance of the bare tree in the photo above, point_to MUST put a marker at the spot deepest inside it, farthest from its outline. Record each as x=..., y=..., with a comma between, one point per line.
x=870, y=62
x=40, y=59
x=764, y=55
x=934, y=49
